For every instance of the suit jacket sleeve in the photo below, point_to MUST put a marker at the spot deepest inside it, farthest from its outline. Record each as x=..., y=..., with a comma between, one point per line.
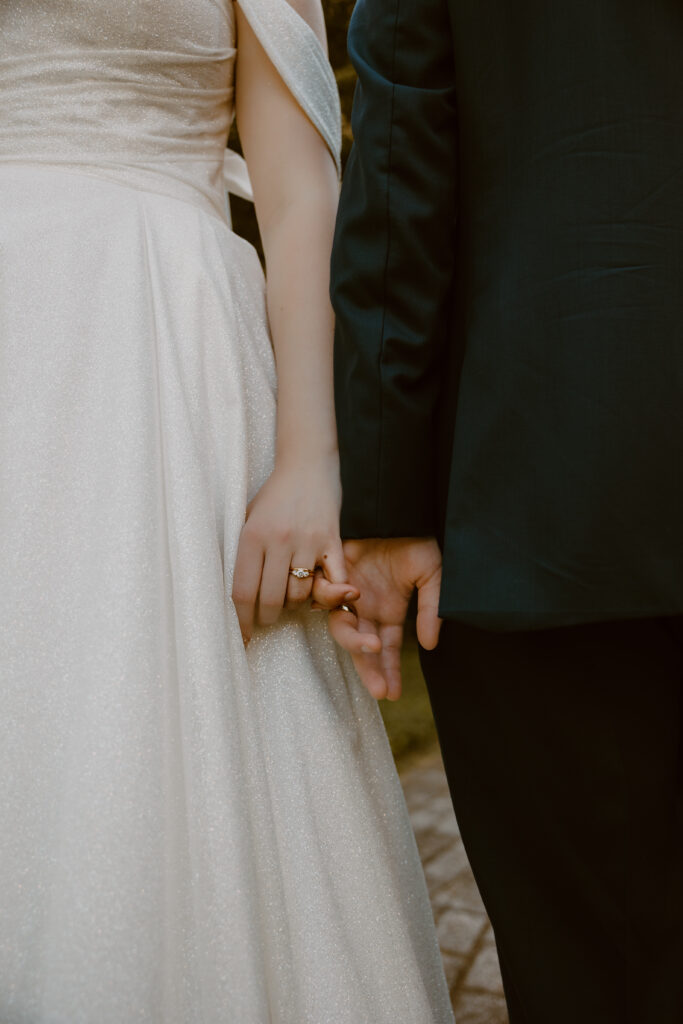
x=392, y=265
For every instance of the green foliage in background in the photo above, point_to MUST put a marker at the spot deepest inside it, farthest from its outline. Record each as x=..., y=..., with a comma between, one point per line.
x=337, y=17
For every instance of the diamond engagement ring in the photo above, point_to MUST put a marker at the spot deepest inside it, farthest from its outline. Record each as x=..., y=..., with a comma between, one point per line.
x=302, y=574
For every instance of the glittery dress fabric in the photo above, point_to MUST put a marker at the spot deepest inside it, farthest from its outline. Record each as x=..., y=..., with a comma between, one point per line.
x=189, y=833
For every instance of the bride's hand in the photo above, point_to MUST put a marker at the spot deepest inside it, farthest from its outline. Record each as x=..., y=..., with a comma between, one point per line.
x=293, y=522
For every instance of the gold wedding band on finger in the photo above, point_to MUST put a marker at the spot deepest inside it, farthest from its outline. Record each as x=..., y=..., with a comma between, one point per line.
x=346, y=608
x=302, y=574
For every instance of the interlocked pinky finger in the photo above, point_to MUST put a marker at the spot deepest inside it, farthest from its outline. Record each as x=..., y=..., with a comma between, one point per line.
x=334, y=564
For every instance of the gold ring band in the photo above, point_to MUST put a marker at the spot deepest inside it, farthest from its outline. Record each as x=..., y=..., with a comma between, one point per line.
x=346, y=608
x=302, y=574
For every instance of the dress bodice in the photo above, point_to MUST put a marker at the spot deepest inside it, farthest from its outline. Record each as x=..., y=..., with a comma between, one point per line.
x=143, y=92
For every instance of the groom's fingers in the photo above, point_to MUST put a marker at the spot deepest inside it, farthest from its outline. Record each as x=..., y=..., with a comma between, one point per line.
x=369, y=668
x=376, y=652
x=390, y=659
x=428, y=621
x=358, y=637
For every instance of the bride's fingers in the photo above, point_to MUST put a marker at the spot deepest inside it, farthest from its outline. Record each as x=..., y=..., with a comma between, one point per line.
x=334, y=564
x=273, y=589
x=246, y=582
x=329, y=595
x=299, y=590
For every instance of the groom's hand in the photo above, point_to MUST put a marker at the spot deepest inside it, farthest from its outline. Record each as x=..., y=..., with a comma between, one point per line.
x=386, y=572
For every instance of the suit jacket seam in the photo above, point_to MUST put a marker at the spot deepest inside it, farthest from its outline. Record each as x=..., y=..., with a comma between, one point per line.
x=385, y=283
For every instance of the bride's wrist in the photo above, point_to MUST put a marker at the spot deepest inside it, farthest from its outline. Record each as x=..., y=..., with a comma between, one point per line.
x=309, y=457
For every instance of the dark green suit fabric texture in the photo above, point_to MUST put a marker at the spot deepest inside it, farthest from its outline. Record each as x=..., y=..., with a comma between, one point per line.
x=507, y=277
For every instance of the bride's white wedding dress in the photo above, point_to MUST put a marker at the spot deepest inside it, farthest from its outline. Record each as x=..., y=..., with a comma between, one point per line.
x=189, y=833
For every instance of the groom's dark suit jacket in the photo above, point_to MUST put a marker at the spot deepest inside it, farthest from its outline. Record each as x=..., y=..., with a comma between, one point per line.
x=508, y=283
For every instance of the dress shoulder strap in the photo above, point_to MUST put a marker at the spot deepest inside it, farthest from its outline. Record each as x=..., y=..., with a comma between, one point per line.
x=299, y=57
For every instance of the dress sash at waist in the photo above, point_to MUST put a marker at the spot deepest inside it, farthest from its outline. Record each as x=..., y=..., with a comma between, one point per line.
x=203, y=183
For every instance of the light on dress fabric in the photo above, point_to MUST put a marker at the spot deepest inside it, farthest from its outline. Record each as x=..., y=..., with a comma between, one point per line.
x=189, y=833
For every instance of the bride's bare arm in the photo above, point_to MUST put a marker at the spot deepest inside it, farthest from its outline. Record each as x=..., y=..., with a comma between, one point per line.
x=294, y=519
x=296, y=195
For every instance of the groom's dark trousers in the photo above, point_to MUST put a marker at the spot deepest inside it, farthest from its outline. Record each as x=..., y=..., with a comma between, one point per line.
x=508, y=283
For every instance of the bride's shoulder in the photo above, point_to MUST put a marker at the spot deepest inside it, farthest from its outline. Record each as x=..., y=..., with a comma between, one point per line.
x=292, y=33
x=310, y=11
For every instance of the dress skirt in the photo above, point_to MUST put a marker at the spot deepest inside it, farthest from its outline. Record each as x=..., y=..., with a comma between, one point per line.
x=190, y=833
